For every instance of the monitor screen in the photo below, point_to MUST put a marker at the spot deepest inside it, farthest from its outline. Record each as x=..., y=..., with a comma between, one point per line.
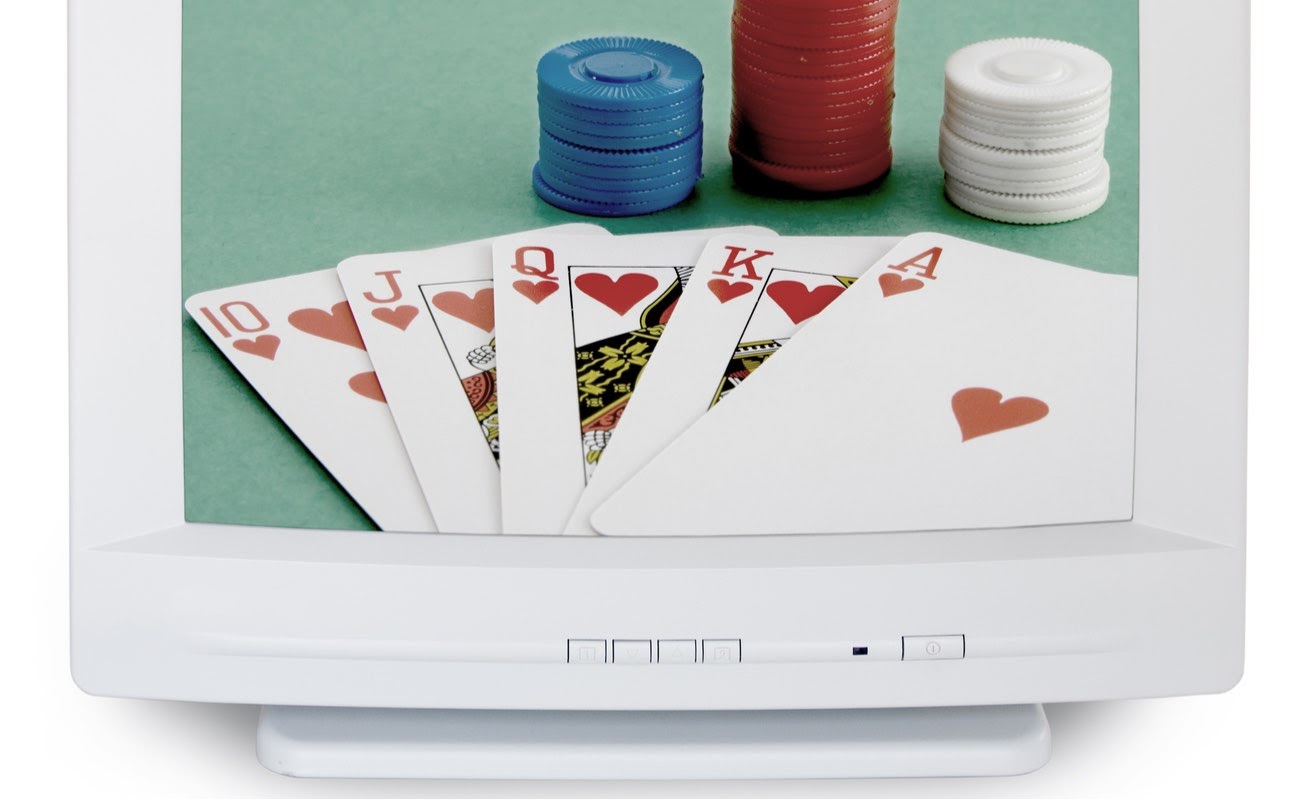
x=312, y=135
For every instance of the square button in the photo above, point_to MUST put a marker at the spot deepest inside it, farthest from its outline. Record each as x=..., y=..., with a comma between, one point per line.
x=676, y=651
x=934, y=648
x=721, y=651
x=586, y=651
x=631, y=651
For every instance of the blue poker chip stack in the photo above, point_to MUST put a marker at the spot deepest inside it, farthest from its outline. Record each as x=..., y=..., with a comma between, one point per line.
x=622, y=126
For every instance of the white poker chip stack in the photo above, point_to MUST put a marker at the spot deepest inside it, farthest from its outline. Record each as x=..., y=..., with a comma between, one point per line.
x=1024, y=130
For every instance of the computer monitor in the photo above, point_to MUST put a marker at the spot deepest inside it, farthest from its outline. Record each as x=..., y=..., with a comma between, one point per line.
x=295, y=618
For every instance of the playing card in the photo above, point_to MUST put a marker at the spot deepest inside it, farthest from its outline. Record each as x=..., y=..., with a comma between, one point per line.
x=962, y=387
x=427, y=318
x=294, y=339
x=752, y=295
x=578, y=318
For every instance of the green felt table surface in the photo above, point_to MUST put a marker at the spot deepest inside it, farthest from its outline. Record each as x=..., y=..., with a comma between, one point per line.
x=314, y=130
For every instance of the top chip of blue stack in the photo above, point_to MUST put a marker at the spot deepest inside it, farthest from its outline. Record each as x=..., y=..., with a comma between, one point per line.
x=622, y=122
x=619, y=73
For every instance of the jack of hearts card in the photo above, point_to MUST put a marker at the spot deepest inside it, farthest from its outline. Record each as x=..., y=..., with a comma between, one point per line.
x=428, y=320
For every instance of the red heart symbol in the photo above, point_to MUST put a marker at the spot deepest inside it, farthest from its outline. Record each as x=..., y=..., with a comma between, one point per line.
x=798, y=302
x=337, y=324
x=980, y=412
x=477, y=311
x=891, y=283
x=264, y=346
x=618, y=295
x=366, y=384
x=399, y=316
x=726, y=291
x=537, y=292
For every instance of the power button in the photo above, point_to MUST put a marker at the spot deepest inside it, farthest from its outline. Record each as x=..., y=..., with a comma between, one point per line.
x=933, y=648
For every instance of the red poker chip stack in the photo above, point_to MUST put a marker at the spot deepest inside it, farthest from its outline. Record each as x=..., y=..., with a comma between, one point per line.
x=813, y=93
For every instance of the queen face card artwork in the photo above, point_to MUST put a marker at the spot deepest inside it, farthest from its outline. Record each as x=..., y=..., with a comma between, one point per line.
x=956, y=386
x=578, y=320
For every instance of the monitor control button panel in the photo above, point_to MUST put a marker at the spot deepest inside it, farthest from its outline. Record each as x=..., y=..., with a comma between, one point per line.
x=650, y=651
x=709, y=652
x=933, y=648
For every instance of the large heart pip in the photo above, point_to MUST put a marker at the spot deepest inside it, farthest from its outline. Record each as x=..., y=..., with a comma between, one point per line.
x=367, y=385
x=478, y=310
x=801, y=303
x=620, y=295
x=337, y=324
x=980, y=412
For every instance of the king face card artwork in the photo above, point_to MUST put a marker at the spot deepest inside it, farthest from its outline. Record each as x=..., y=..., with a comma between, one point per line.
x=428, y=320
x=752, y=295
x=956, y=386
x=295, y=340
x=578, y=319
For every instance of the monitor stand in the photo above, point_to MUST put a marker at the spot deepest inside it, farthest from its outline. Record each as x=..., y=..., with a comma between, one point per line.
x=598, y=745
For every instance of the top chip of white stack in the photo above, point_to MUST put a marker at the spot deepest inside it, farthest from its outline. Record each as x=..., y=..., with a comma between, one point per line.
x=1028, y=74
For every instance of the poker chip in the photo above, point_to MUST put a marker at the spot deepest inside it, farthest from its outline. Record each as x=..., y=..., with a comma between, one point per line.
x=621, y=126
x=1023, y=134
x=812, y=94
x=607, y=139
x=1047, y=138
x=631, y=204
x=1017, y=159
x=953, y=161
x=619, y=73
x=1044, y=209
x=628, y=173
x=1028, y=129
x=1016, y=184
x=690, y=146
x=756, y=173
x=1027, y=74
x=608, y=189
x=639, y=125
x=1043, y=115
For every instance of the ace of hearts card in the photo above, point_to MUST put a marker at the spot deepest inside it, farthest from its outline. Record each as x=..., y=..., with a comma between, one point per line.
x=958, y=386
x=578, y=319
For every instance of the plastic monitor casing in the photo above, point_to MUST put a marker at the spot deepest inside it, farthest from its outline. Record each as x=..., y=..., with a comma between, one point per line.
x=166, y=609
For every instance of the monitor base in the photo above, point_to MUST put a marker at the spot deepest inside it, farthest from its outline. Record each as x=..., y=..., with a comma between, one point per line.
x=653, y=745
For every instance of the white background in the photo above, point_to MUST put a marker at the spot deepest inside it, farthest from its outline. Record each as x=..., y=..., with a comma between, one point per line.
x=56, y=741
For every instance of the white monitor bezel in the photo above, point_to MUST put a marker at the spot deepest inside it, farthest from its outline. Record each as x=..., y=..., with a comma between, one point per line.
x=165, y=608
